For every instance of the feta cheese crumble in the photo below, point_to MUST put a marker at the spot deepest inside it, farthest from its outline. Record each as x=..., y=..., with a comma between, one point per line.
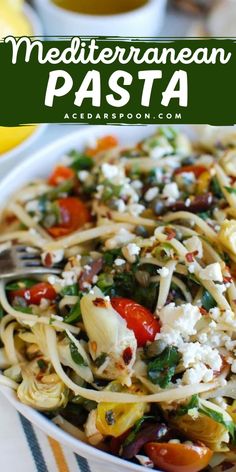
x=109, y=170
x=211, y=272
x=130, y=252
x=151, y=194
x=119, y=262
x=121, y=238
x=180, y=319
x=83, y=175
x=171, y=191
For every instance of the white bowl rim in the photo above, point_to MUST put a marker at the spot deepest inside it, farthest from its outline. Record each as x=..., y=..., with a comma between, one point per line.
x=87, y=132
x=17, y=150
x=65, y=439
x=34, y=19
x=146, y=7
x=37, y=418
x=22, y=146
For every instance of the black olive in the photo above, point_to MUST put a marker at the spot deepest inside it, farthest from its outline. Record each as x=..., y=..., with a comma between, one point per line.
x=141, y=231
x=158, y=207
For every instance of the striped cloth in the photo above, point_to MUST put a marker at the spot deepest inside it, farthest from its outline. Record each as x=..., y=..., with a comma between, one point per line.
x=24, y=448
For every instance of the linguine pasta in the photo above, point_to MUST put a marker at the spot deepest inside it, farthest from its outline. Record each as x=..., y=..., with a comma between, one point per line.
x=135, y=340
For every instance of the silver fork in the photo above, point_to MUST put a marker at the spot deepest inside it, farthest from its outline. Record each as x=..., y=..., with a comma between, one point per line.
x=17, y=261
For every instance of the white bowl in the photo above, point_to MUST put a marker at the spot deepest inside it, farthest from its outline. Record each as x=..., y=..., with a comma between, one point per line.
x=34, y=20
x=40, y=165
x=12, y=153
x=146, y=21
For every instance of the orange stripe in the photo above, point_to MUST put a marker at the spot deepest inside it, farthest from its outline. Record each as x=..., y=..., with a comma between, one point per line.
x=59, y=456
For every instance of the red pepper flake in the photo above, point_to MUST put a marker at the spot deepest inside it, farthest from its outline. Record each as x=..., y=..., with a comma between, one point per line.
x=227, y=280
x=171, y=233
x=48, y=262
x=100, y=302
x=203, y=311
x=127, y=355
x=190, y=256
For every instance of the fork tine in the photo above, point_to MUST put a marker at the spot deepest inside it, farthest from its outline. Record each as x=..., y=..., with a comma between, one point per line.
x=25, y=250
x=31, y=263
x=17, y=261
x=24, y=257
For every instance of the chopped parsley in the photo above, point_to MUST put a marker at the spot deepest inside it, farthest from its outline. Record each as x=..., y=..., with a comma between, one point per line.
x=162, y=369
x=76, y=356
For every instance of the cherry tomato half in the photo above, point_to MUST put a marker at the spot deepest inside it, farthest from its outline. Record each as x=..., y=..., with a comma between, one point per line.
x=35, y=294
x=103, y=144
x=138, y=318
x=196, y=170
x=179, y=457
x=73, y=215
x=60, y=175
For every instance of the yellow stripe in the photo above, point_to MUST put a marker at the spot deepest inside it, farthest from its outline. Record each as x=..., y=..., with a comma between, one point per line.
x=59, y=456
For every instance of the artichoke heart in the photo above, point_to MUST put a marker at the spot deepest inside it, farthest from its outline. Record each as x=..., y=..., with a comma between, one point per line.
x=210, y=424
x=44, y=393
x=83, y=371
x=108, y=336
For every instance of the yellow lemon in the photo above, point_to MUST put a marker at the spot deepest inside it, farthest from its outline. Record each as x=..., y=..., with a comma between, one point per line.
x=11, y=137
x=13, y=22
x=12, y=19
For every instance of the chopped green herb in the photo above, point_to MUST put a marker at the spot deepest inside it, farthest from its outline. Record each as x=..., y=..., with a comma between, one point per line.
x=216, y=416
x=137, y=426
x=23, y=309
x=162, y=369
x=105, y=282
x=164, y=252
x=184, y=409
x=216, y=189
x=76, y=356
x=219, y=418
x=80, y=161
x=65, y=187
x=42, y=204
x=89, y=405
x=205, y=215
x=110, y=256
x=110, y=191
x=230, y=189
x=71, y=290
x=21, y=284
x=42, y=364
x=100, y=359
x=74, y=315
x=208, y=301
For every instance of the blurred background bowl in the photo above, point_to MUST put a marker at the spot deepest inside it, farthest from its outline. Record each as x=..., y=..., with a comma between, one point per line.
x=146, y=20
x=15, y=140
